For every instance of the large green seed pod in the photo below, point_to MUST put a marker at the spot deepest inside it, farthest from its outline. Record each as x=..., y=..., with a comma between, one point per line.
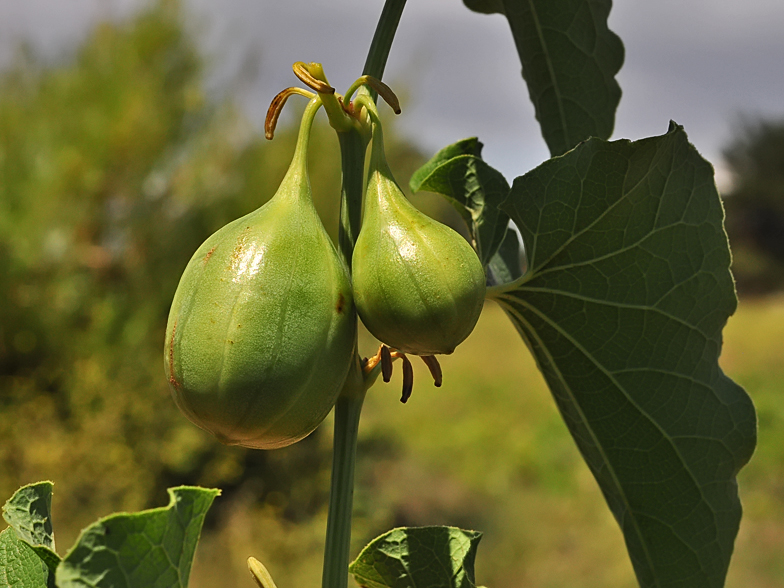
x=418, y=285
x=262, y=329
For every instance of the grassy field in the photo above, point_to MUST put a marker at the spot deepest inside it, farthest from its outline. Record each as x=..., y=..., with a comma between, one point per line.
x=488, y=451
x=754, y=357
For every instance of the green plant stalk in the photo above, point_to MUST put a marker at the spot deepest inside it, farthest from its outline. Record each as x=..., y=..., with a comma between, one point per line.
x=382, y=39
x=341, y=497
x=349, y=406
x=352, y=158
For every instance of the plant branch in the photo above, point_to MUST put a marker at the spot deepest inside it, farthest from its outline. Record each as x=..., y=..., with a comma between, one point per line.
x=341, y=497
x=382, y=40
x=352, y=160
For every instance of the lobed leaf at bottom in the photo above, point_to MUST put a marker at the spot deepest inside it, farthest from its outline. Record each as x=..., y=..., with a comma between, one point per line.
x=436, y=557
x=149, y=549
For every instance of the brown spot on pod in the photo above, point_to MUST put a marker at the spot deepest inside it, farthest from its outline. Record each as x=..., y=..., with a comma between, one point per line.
x=261, y=353
x=172, y=379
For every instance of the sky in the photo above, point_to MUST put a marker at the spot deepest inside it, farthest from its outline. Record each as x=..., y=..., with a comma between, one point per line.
x=703, y=63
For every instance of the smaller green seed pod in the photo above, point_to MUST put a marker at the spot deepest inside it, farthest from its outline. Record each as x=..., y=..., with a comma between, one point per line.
x=418, y=285
x=262, y=330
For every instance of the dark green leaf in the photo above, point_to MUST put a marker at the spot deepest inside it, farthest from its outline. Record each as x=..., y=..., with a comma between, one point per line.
x=149, y=549
x=628, y=291
x=474, y=188
x=470, y=146
x=29, y=512
x=569, y=59
x=508, y=263
x=20, y=567
x=435, y=557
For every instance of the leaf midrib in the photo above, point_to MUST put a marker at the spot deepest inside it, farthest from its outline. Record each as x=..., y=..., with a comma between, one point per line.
x=529, y=329
x=610, y=376
x=626, y=305
x=551, y=70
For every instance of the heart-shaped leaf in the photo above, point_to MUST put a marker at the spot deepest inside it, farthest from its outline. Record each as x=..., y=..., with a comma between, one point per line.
x=627, y=293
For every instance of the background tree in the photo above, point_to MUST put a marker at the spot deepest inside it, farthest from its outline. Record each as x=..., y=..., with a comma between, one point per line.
x=755, y=205
x=114, y=167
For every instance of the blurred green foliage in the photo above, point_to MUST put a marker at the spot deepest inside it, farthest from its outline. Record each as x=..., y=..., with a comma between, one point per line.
x=755, y=205
x=114, y=167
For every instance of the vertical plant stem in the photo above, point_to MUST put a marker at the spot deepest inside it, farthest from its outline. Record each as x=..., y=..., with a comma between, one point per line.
x=349, y=405
x=352, y=158
x=336, y=551
x=382, y=39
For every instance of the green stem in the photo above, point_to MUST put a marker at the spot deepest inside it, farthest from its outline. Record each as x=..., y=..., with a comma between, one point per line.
x=352, y=155
x=336, y=551
x=299, y=162
x=382, y=39
x=349, y=405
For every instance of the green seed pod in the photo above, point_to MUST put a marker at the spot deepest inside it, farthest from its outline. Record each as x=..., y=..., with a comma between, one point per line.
x=418, y=285
x=262, y=329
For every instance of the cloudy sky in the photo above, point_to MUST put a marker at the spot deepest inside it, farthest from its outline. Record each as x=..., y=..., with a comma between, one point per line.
x=703, y=63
